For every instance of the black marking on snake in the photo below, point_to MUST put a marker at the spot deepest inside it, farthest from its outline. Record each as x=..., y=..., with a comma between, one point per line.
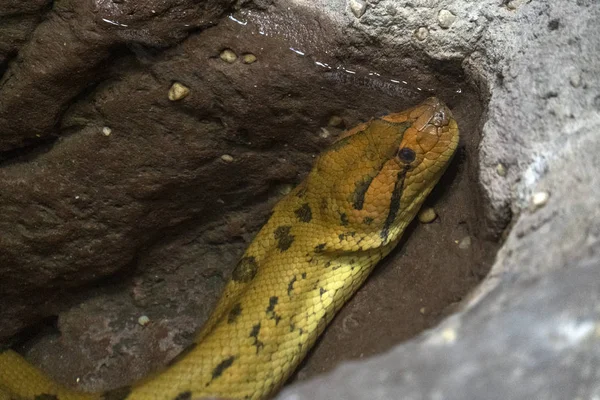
x=343, y=219
x=336, y=267
x=271, y=309
x=362, y=186
x=187, y=350
x=320, y=247
x=272, y=303
x=254, y=334
x=327, y=264
x=115, y=394
x=360, y=190
x=304, y=213
x=45, y=396
x=235, y=312
x=368, y=220
x=352, y=261
x=245, y=270
x=283, y=237
x=324, y=204
x=302, y=191
x=394, y=204
x=291, y=286
x=322, y=291
x=342, y=237
x=187, y=395
x=303, y=275
x=221, y=367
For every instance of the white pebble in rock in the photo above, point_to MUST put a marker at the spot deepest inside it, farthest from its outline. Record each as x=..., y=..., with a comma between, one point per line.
x=446, y=19
x=228, y=56
x=427, y=215
x=422, y=33
x=227, y=158
x=358, y=7
x=539, y=200
x=178, y=91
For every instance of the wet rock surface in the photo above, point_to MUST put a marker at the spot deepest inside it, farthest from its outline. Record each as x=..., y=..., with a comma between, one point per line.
x=121, y=201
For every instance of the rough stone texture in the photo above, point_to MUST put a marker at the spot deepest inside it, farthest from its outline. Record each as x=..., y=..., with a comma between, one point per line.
x=77, y=206
x=69, y=50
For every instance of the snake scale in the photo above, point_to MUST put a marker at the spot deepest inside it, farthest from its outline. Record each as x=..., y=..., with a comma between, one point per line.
x=319, y=245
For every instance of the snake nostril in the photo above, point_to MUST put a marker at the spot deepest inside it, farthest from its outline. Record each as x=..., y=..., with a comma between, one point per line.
x=438, y=118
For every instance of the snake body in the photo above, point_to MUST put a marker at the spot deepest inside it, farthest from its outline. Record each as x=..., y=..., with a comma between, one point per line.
x=318, y=246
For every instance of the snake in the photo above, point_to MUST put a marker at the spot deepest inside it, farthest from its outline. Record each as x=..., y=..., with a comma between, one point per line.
x=318, y=246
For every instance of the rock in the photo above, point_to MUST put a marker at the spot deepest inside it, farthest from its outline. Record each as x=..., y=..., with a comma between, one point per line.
x=178, y=91
x=358, y=7
x=64, y=56
x=446, y=19
x=228, y=56
x=426, y=215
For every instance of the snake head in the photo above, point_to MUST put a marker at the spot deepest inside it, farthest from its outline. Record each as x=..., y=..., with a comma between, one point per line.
x=376, y=176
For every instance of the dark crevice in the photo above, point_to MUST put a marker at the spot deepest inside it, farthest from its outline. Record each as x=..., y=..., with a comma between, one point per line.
x=41, y=12
x=34, y=147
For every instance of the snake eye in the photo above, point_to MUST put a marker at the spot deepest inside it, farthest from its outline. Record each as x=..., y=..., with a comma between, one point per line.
x=407, y=155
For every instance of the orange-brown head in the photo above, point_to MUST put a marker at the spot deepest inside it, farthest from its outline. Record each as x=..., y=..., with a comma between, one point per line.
x=374, y=179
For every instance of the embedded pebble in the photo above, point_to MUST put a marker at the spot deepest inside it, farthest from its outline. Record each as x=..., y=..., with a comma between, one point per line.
x=426, y=215
x=227, y=158
x=324, y=133
x=358, y=7
x=464, y=243
x=449, y=335
x=248, y=58
x=335, y=121
x=501, y=169
x=178, y=91
x=422, y=310
x=422, y=33
x=143, y=320
x=512, y=5
x=446, y=19
x=539, y=199
x=228, y=55
x=106, y=131
x=285, y=189
x=575, y=80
